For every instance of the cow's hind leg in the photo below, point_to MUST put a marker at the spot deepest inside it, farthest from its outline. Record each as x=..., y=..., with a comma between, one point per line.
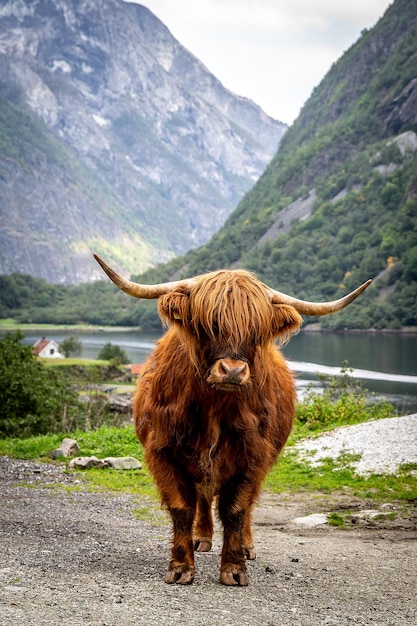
x=203, y=527
x=247, y=536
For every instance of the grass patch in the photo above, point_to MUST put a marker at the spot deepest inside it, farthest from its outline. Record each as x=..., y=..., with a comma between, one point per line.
x=293, y=474
x=343, y=402
x=37, y=447
x=149, y=510
x=105, y=441
x=290, y=475
x=10, y=324
x=110, y=441
x=127, y=481
x=335, y=519
x=70, y=361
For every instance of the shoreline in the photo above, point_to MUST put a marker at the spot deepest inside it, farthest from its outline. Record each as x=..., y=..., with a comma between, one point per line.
x=312, y=328
x=42, y=328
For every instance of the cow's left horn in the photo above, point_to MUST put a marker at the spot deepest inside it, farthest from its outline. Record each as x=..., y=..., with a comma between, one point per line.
x=141, y=291
x=318, y=308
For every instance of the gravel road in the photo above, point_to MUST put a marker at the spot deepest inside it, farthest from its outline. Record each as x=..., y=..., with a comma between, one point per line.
x=81, y=559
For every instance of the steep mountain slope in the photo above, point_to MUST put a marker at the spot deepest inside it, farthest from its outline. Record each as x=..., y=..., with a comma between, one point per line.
x=338, y=203
x=114, y=138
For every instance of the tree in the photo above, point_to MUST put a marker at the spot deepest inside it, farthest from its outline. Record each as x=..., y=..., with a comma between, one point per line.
x=33, y=399
x=111, y=352
x=71, y=346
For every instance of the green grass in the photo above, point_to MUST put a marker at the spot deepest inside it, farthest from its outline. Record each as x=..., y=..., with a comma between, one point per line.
x=37, y=447
x=293, y=475
x=66, y=362
x=290, y=475
x=335, y=519
x=105, y=441
x=8, y=324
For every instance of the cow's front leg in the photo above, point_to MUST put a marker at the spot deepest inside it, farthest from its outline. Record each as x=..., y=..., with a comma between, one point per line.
x=178, y=495
x=233, y=569
x=235, y=504
x=181, y=566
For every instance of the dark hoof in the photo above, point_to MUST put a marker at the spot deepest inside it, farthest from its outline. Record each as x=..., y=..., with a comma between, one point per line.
x=202, y=545
x=180, y=575
x=235, y=575
x=250, y=553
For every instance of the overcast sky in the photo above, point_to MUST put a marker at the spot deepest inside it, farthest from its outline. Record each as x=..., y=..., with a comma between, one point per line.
x=271, y=51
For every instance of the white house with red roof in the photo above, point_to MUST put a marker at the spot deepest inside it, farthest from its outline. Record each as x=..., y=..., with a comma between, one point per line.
x=47, y=348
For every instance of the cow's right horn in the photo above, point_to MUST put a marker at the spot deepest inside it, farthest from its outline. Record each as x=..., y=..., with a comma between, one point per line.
x=136, y=290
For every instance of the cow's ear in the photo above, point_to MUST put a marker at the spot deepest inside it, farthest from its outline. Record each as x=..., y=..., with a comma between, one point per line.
x=174, y=308
x=286, y=321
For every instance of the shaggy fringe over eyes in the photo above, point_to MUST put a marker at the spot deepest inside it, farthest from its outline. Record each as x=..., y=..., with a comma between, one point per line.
x=232, y=306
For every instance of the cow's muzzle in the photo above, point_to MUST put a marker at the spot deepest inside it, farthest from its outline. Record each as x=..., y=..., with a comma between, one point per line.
x=229, y=374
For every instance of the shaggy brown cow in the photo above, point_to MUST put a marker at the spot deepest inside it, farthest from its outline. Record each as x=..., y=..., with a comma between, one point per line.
x=215, y=405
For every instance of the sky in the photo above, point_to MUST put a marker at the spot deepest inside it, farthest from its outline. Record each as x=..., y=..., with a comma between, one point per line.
x=273, y=52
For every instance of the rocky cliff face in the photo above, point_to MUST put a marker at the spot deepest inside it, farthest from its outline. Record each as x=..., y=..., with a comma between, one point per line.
x=114, y=138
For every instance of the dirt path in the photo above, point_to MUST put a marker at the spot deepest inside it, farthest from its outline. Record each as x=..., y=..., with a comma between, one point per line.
x=80, y=558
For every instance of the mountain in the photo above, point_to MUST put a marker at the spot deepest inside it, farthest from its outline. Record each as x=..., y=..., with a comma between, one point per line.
x=114, y=138
x=338, y=202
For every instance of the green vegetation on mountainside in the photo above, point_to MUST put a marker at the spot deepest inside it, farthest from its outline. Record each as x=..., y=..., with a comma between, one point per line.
x=27, y=146
x=354, y=144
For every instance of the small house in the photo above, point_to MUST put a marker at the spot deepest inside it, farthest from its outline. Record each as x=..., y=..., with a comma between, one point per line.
x=47, y=347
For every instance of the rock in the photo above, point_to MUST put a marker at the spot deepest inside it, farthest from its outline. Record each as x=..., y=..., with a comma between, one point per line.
x=68, y=447
x=310, y=521
x=120, y=402
x=85, y=462
x=57, y=454
x=370, y=514
x=118, y=463
x=123, y=463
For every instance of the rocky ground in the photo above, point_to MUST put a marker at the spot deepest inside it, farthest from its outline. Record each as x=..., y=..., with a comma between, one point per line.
x=79, y=558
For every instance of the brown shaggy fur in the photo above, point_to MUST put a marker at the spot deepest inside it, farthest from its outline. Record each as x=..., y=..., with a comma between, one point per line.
x=213, y=409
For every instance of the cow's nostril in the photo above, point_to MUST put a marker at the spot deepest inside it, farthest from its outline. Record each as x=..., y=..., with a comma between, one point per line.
x=225, y=368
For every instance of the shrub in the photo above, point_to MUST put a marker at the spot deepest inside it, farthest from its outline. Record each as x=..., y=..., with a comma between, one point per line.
x=37, y=400
x=111, y=352
x=342, y=401
x=33, y=399
x=71, y=346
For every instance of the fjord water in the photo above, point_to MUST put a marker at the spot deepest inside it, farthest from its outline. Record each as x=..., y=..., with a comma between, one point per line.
x=386, y=363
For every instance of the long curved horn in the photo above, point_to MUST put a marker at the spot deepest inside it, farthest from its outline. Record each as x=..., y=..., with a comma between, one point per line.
x=136, y=290
x=317, y=308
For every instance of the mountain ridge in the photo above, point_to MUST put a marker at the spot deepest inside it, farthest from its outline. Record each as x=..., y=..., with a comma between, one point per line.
x=167, y=150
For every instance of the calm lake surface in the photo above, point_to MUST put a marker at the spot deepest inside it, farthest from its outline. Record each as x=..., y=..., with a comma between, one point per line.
x=386, y=364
